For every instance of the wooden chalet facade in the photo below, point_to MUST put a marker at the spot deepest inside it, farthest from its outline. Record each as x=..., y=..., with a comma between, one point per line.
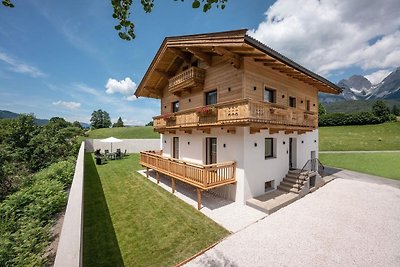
x=235, y=114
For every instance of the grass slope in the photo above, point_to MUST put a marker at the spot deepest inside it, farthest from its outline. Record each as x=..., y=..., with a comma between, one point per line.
x=384, y=136
x=138, y=132
x=131, y=221
x=381, y=164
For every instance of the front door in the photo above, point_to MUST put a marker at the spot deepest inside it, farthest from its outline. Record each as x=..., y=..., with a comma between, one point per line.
x=211, y=150
x=292, y=153
x=175, y=147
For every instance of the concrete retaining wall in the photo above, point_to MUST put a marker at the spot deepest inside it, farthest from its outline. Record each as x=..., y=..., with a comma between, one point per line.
x=69, y=251
x=131, y=145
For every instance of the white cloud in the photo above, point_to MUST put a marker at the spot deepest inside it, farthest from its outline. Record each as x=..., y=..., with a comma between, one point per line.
x=20, y=67
x=69, y=105
x=327, y=36
x=377, y=76
x=126, y=87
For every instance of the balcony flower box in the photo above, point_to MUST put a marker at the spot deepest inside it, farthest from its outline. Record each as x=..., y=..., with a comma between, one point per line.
x=169, y=117
x=206, y=111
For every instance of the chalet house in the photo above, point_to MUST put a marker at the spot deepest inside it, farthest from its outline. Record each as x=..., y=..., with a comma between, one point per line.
x=236, y=116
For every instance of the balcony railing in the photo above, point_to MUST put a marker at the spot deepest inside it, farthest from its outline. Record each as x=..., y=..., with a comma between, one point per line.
x=202, y=176
x=241, y=112
x=190, y=78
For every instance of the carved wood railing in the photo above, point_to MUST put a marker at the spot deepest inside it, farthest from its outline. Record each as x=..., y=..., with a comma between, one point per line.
x=191, y=77
x=199, y=175
x=242, y=112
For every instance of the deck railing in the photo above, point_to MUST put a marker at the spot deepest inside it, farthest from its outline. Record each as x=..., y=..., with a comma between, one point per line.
x=202, y=176
x=241, y=112
x=191, y=77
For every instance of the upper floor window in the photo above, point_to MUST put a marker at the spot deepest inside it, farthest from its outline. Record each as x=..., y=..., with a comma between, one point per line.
x=211, y=97
x=269, y=95
x=308, y=106
x=292, y=102
x=175, y=106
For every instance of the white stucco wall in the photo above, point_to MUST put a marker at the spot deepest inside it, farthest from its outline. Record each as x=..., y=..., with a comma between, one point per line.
x=258, y=170
x=131, y=145
x=252, y=169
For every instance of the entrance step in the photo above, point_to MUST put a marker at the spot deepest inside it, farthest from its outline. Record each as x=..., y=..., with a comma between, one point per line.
x=272, y=201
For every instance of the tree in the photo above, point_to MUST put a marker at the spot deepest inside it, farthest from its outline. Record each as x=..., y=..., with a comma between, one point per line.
x=381, y=110
x=321, y=109
x=77, y=124
x=149, y=123
x=122, y=12
x=100, y=119
x=395, y=110
x=119, y=123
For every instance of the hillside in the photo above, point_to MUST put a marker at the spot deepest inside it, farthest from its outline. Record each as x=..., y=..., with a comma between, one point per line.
x=357, y=105
x=384, y=136
x=135, y=132
x=5, y=114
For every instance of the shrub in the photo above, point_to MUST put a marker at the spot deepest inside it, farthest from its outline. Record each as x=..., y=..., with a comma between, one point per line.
x=26, y=216
x=338, y=119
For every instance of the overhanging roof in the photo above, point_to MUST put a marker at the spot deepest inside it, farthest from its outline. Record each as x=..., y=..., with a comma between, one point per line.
x=230, y=45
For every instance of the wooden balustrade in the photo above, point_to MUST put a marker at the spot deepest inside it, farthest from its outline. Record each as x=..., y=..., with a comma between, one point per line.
x=202, y=176
x=242, y=112
x=192, y=77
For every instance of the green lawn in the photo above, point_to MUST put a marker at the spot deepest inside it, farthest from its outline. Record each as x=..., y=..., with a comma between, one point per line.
x=131, y=221
x=138, y=132
x=384, y=136
x=380, y=164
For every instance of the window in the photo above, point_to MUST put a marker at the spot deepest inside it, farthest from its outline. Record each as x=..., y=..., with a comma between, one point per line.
x=269, y=95
x=292, y=102
x=308, y=105
x=175, y=147
x=211, y=97
x=175, y=106
x=195, y=64
x=211, y=150
x=269, y=148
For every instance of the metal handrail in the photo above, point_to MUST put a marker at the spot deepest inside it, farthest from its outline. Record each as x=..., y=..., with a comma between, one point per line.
x=317, y=170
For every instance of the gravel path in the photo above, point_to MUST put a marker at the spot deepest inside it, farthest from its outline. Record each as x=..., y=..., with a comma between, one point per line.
x=345, y=223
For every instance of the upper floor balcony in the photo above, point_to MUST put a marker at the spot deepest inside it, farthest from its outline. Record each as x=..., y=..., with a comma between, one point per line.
x=192, y=78
x=245, y=112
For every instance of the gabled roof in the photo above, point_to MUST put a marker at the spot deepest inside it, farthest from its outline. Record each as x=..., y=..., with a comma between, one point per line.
x=231, y=45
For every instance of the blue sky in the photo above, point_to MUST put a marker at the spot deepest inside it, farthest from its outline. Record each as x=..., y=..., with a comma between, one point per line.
x=63, y=58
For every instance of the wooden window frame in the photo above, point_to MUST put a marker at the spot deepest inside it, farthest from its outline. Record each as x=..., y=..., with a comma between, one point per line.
x=290, y=98
x=271, y=90
x=173, y=106
x=208, y=92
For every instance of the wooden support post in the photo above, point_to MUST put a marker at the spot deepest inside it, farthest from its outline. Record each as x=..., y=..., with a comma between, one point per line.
x=158, y=177
x=173, y=185
x=198, y=198
x=147, y=172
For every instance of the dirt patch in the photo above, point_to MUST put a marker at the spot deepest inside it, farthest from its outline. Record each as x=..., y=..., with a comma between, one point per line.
x=51, y=251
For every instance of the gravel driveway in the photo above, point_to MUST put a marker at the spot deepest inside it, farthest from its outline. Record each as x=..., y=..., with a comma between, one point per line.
x=348, y=222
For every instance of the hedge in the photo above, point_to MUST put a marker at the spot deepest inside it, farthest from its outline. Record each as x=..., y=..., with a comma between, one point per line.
x=359, y=118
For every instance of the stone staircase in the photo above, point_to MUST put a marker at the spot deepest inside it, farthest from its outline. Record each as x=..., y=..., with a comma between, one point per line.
x=292, y=182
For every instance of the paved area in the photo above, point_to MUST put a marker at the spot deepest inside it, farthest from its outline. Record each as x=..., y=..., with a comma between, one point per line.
x=232, y=216
x=352, y=221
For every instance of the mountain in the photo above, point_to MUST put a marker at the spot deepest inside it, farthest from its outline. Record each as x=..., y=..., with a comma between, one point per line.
x=358, y=87
x=5, y=114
